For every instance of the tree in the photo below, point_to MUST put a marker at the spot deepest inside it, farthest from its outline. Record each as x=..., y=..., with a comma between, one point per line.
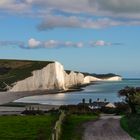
x=130, y=94
x=90, y=101
x=83, y=100
x=105, y=100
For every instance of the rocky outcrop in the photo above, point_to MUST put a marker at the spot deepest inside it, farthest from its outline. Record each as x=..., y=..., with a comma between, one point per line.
x=53, y=76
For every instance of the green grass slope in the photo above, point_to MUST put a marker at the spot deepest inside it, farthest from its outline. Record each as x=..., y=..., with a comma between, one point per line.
x=72, y=128
x=14, y=70
x=27, y=127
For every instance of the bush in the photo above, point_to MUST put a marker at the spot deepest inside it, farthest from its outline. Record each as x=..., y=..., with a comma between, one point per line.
x=77, y=109
x=108, y=110
x=131, y=124
x=122, y=108
x=33, y=112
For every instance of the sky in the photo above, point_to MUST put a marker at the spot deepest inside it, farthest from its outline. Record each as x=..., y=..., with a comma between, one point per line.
x=95, y=36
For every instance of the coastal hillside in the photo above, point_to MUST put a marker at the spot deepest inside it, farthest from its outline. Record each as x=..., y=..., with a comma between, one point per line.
x=102, y=76
x=21, y=75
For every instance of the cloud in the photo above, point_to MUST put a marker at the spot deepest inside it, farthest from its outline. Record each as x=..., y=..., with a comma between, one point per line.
x=94, y=14
x=33, y=43
x=113, y=8
x=12, y=43
x=67, y=44
x=118, y=6
x=100, y=43
x=94, y=7
x=13, y=5
x=51, y=22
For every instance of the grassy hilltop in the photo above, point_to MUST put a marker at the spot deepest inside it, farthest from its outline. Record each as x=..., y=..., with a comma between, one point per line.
x=15, y=70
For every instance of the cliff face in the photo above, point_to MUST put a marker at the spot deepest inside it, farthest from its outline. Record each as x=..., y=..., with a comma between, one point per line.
x=53, y=76
x=73, y=79
x=89, y=79
x=50, y=77
x=115, y=78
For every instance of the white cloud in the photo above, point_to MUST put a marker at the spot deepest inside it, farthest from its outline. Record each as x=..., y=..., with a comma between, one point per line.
x=50, y=44
x=100, y=43
x=33, y=43
x=59, y=44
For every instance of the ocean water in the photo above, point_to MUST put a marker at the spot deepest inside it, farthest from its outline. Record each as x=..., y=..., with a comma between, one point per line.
x=102, y=90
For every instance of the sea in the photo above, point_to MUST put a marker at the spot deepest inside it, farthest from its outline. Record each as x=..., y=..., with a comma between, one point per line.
x=101, y=90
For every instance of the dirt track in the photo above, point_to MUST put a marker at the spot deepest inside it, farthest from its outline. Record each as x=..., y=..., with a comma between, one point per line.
x=106, y=128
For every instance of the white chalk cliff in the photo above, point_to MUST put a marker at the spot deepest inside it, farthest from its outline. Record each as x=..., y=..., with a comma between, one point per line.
x=89, y=79
x=50, y=77
x=73, y=79
x=53, y=76
x=115, y=78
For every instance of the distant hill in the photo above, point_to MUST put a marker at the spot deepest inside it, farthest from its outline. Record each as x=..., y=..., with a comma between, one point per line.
x=14, y=70
x=104, y=76
x=100, y=76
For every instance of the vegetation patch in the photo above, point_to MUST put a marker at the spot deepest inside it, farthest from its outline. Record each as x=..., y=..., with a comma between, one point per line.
x=72, y=128
x=27, y=127
x=18, y=104
x=131, y=124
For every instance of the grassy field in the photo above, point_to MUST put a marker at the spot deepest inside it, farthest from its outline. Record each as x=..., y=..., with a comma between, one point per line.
x=72, y=127
x=26, y=127
x=131, y=124
x=14, y=70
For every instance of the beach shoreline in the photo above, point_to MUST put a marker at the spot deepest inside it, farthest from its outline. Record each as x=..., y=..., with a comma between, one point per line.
x=7, y=97
x=9, y=107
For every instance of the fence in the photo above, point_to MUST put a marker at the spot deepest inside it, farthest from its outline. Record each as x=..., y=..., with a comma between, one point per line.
x=57, y=128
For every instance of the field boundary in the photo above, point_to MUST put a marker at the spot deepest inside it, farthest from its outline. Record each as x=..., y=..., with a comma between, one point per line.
x=58, y=127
